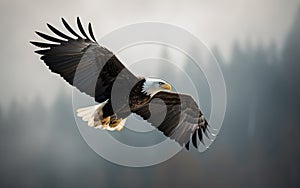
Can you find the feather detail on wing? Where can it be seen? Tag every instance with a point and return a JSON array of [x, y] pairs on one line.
[[81, 61], [177, 116]]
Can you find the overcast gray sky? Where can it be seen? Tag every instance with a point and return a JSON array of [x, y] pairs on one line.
[[24, 77]]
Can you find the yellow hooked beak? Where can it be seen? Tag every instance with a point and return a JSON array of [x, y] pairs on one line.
[[166, 86]]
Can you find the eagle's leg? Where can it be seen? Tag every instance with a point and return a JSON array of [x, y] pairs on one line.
[[115, 123], [105, 122]]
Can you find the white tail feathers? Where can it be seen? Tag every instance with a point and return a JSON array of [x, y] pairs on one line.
[[89, 113], [94, 116]]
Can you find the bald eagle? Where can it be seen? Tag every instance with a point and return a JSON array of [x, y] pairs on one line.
[[97, 71]]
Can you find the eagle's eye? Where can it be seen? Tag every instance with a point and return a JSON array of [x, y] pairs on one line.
[[160, 83]]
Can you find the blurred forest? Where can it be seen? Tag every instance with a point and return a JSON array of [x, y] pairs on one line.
[[258, 145]]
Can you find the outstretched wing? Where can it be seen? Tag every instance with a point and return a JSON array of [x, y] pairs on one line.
[[177, 116], [82, 62]]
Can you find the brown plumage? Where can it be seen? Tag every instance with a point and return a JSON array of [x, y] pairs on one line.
[[96, 71]]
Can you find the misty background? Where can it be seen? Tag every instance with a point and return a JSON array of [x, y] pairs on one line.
[[258, 47]]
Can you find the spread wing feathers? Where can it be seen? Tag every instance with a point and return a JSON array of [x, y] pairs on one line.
[[81, 61], [177, 116]]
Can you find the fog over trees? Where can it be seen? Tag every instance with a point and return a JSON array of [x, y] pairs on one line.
[[258, 145]]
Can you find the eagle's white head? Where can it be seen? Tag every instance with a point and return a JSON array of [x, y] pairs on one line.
[[153, 85]]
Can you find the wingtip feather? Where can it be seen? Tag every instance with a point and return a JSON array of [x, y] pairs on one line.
[[80, 27], [69, 28], [187, 146], [91, 32], [194, 140]]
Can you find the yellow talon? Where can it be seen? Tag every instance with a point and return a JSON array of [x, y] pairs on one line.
[[115, 123], [105, 121]]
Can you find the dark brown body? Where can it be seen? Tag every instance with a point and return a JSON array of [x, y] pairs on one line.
[[122, 104]]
